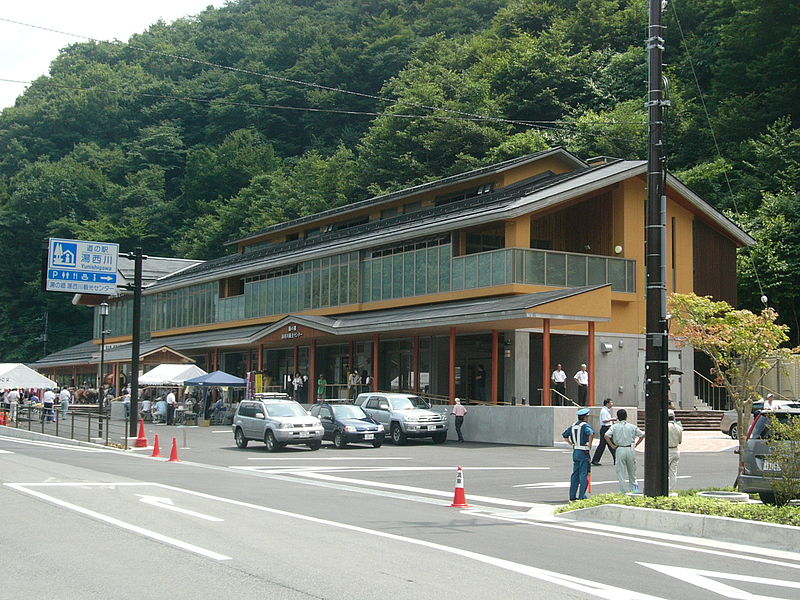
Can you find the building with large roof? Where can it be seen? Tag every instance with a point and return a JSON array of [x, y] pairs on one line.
[[474, 286]]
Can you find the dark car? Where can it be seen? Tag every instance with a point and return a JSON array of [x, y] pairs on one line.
[[758, 471], [348, 424]]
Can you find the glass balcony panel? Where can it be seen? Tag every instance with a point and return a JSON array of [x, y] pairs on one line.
[[616, 274], [408, 274], [397, 276], [596, 270], [630, 281], [431, 269], [470, 272], [533, 267], [576, 270], [555, 269], [445, 260], [420, 274], [484, 269], [501, 267]]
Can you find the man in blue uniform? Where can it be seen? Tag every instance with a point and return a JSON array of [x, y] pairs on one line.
[[580, 436]]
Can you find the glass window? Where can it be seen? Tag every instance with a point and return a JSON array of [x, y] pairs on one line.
[[484, 270], [616, 275], [596, 270], [576, 270], [555, 269]]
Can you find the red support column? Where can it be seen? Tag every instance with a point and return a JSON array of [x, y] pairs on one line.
[[351, 360], [591, 365], [376, 341], [313, 375], [261, 357], [546, 399], [216, 359], [495, 365], [249, 360], [415, 364], [452, 370]]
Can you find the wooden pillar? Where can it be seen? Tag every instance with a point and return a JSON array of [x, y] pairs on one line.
[[351, 360], [591, 364], [495, 365], [249, 360], [376, 342], [546, 399], [415, 364], [313, 375], [261, 357], [452, 369], [216, 359]]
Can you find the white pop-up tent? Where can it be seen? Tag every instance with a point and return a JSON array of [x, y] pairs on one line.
[[170, 374], [17, 375]]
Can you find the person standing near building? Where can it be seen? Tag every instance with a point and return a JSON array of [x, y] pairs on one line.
[[559, 381], [624, 437], [322, 386], [579, 435], [170, 399], [582, 379], [675, 437], [606, 421], [298, 384], [459, 411], [480, 383], [353, 381], [12, 399], [64, 397], [769, 402]]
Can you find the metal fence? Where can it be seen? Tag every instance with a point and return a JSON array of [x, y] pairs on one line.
[[78, 424]]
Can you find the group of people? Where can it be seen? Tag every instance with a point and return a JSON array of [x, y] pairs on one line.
[[558, 379], [622, 438], [13, 398]]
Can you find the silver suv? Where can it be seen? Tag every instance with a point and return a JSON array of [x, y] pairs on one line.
[[405, 416], [757, 470], [277, 421]]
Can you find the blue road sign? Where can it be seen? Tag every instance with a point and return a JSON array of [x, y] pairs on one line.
[[82, 267]]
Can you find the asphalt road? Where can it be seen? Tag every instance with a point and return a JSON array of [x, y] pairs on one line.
[[354, 523]]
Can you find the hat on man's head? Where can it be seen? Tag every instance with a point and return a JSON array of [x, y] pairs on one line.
[[582, 412], [770, 396]]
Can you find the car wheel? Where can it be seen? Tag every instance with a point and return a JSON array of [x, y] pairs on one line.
[[315, 445], [377, 444], [440, 438], [771, 498], [241, 441], [398, 437], [734, 431], [338, 440], [269, 440]]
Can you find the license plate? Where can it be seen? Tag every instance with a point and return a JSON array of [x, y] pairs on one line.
[[431, 427], [770, 465], [369, 436], [304, 434]]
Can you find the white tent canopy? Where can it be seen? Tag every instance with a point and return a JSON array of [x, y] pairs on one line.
[[170, 374], [17, 375]]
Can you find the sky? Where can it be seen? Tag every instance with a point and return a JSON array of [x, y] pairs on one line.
[[26, 53]]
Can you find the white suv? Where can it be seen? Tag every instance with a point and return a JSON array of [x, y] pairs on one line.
[[277, 421], [405, 416]]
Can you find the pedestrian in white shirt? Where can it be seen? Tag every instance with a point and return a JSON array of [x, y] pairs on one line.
[[582, 379], [675, 437], [606, 421], [170, 399], [12, 399], [559, 379], [64, 397], [459, 411]]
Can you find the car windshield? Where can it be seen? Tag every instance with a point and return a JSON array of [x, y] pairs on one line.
[[348, 411], [286, 410], [762, 431], [409, 403]]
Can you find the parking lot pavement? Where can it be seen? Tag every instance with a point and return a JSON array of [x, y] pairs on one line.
[[702, 441]]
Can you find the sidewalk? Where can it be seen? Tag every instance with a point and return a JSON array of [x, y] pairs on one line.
[[702, 441]]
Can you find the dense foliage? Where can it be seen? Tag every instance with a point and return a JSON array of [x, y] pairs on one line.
[[132, 143]]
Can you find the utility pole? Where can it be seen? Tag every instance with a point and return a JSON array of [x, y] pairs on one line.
[[137, 257], [657, 344]]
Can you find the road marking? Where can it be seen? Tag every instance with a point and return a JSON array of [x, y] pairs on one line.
[[170, 505], [706, 581], [566, 484], [121, 524], [332, 458], [56, 445], [580, 584], [228, 431], [6, 452], [343, 469]]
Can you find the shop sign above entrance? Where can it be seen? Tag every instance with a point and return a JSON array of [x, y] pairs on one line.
[[81, 267], [291, 333]]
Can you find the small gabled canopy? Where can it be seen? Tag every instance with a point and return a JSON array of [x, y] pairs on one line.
[[216, 379], [17, 375], [170, 374]]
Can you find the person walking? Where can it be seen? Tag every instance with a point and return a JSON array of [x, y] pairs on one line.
[[298, 384], [624, 437], [48, 406], [64, 397], [675, 437], [12, 399], [579, 435], [459, 411], [582, 379], [322, 385], [170, 399], [606, 421], [559, 381]]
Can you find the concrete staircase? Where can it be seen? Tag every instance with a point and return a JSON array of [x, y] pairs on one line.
[[692, 420]]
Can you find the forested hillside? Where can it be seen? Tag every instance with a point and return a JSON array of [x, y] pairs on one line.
[[192, 133]]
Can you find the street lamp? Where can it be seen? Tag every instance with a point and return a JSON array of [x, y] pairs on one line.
[[100, 399]]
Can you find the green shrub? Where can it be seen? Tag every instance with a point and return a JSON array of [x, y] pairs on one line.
[[691, 503]]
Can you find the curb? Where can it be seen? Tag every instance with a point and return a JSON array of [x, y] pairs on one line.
[[24, 434], [722, 529]]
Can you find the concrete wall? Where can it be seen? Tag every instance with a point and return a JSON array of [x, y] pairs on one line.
[[620, 372], [520, 425]]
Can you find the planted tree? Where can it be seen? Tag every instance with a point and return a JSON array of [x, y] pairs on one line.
[[783, 442], [738, 342]]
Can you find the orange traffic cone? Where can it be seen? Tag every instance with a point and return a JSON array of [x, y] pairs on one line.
[[156, 449], [589, 487], [460, 498], [173, 455], [3, 419], [141, 440]]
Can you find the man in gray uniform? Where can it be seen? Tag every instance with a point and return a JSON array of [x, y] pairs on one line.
[[624, 437], [675, 435]]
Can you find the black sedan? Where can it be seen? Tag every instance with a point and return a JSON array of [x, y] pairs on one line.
[[348, 424]]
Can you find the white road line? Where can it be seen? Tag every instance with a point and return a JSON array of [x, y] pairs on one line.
[[344, 458], [56, 445], [167, 504], [580, 584], [121, 524], [566, 484], [344, 469], [6, 452]]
